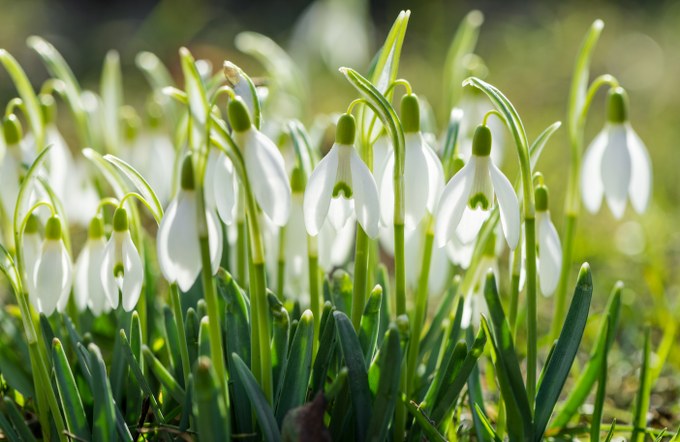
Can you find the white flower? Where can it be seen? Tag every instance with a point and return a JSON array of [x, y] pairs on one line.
[[474, 187], [122, 270], [423, 171], [179, 252], [342, 184], [223, 188], [53, 271], [88, 288], [616, 165], [549, 247], [264, 164], [32, 246]]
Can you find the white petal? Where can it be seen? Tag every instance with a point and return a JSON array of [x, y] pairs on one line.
[[52, 276], [616, 170], [67, 282], [32, 250], [178, 247], [435, 177], [416, 181], [382, 149], [459, 253], [387, 191], [108, 279], [224, 189], [641, 171], [592, 189], [470, 224], [267, 175], [365, 195], [549, 253], [339, 212], [88, 282], [319, 191], [215, 240], [509, 206], [452, 203], [80, 283], [134, 274]]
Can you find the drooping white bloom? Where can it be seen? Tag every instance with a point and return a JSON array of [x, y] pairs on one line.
[[264, 164], [179, 252], [423, 172], [341, 185], [53, 271], [549, 247], [122, 271], [223, 188], [474, 187], [88, 288], [32, 248], [616, 165]]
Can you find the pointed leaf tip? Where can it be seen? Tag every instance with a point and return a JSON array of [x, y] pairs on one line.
[[585, 278]]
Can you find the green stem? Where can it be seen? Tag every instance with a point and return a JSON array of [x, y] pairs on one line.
[[360, 276], [257, 294], [212, 303], [418, 317], [530, 230], [281, 267], [314, 296], [241, 252], [176, 304], [399, 269]]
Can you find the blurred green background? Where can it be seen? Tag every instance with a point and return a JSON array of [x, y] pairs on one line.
[[529, 49]]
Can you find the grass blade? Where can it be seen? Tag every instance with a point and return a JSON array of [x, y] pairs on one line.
[[71, 403], [358, 377], [601, 390], [643, 393], [163, 375], [263, 411], [298, 369], [370, 322], [136, 370], [104, 413], [565, 351], [389, 365]]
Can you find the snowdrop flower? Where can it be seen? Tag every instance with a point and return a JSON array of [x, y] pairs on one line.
[[342, 185], [179, 252], [53, 271], [224, 188], [549, 247], [31, 251], [423, 172], [474, 187], [122, 272], [264, 164], [616, 165], [88, 288]]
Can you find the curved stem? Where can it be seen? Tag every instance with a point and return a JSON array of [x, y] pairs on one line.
[[314, 289], [493, 112]]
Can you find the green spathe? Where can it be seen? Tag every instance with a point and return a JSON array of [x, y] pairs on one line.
[[96, 228], [410, 113], [12, 129], [53, 228], [481, 141], [187, 176], [541, 195], [617, 105], [120, 220], [238, 114], [345, 130]]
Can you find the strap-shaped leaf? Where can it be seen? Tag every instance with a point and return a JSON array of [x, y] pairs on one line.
[[263, 411], [598, 406], [536, 148], [358, 377], [144, 188], [643, 393], [198, 101], [506, 350], [112, 100], [462, 45], [163, 375], [71, 403], [565, 351], [370, 321], [299, 367], [136, 370], [389, 363], [27, 94], [584, 384], [58, 68], [104, 413], [212, 421], [326, 349], [423, 421]]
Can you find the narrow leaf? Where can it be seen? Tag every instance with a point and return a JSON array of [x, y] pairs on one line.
[[151, 200], [104, 413], [163, 375], [209, 412], [643, 393], [71, 403], [389, 363]]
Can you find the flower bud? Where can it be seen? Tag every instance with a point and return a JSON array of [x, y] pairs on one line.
[[410, 113], [345, 130], [481, 142]]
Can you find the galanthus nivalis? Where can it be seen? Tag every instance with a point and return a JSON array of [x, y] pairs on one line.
[[616, 165], [423, 172], [122, 271], [549, 247], [264, 164], [53, 271], [88, 288], [179, 252], [342, 184], [474, 187]]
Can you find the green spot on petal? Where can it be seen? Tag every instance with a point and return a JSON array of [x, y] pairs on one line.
[[342, 188], [118, 270], [479, 200]]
